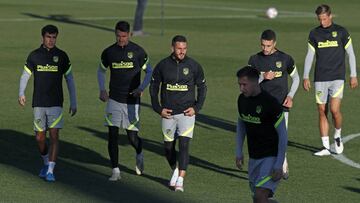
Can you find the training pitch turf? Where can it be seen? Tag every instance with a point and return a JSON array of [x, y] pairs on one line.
[[222, 35]]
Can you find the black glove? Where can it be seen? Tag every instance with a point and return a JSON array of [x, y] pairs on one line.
[[136, 92]]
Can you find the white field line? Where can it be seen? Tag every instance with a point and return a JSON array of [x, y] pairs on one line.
[[257, 13], [31, 19], [204, 7], [341, 157]]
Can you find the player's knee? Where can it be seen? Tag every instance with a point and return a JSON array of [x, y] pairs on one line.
[[184, 143], [335, 112], [54, 134], [322, 113], [169, 147], [322, 109], [113, 135], [133, 137], [261, 194], [40, 136]]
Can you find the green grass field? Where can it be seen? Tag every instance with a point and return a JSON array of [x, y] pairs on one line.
[[222, 35]]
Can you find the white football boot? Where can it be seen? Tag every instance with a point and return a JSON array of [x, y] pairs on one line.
[[339, 146], [323, 152], [174, 178], [115, 176]]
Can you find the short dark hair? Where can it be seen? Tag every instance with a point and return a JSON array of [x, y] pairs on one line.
[[51, 29], [268, 35], [178, 38], [323, 8], [249, 72], [123, 26]]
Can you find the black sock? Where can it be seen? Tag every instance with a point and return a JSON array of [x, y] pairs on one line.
[[184, 143], [113, 146], [170, 153], [135, 140]]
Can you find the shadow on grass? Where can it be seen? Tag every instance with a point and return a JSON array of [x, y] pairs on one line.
[[353, 189], [208, 122], [67, 19], [19, 150], [303, 146], [158, 148]]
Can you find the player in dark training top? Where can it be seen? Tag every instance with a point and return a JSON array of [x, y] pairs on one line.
[[49, 65], [125, 60], [181, 82], [261, 119], [275, 66], [329, 42]]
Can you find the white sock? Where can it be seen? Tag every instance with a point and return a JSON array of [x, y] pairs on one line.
[[51, 167], [180, 179], [116, 170], [45, 159], [337, 133], [326, 142]]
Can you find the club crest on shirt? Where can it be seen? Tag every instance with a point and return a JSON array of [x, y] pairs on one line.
[[278, 64], [186, 71], [258, 109], [55, 59], [334, 33], [130, 55]]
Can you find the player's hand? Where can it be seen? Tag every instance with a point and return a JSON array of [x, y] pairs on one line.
[[288, 102], [22, 100], [306, 84], [137, 92], [103, 96], [72, 111], [189, 111], [166, 113], [269, 75], [239, 161], [353, 82], [276, 174]]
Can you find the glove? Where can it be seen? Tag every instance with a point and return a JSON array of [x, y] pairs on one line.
[[136, 92]]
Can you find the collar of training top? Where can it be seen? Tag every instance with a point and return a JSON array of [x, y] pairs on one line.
[[46, 49], [173, 57]]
